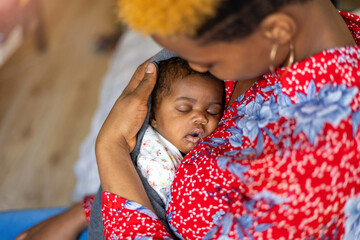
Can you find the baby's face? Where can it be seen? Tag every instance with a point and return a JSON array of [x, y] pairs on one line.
[[190, 112]]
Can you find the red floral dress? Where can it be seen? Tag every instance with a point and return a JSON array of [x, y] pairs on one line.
[[284, 162]]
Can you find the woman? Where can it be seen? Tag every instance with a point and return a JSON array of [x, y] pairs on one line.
[[284, 160]]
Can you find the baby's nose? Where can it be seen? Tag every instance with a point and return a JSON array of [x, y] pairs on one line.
[[200, 118]]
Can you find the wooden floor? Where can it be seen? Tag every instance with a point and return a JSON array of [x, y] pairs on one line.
[[47, 101]]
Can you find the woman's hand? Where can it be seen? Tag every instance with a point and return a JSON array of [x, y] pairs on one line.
[[129, 112], [66, 225], [117, 138]]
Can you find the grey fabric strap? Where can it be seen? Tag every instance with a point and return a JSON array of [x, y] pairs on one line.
[[96, 228], [162, 55]]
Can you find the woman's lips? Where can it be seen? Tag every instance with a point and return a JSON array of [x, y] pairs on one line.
[[195, 135]]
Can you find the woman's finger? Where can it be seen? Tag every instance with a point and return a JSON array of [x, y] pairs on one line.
[[21, 236], [147, 84], [136, 78]]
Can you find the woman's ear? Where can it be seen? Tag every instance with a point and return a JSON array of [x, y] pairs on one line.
[[279, 28]]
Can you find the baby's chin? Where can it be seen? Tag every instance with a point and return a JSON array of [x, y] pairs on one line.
[[187, 149]]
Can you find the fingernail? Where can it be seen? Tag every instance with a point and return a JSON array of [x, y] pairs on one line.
[[150, 68]]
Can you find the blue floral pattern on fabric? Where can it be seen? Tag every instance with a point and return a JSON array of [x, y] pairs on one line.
[[215, 142], [150, 238], [229, 162], [225, 223], [169, 218], [331, 104], [236, 138], [173, 228], [350, 59], [352, 224], [329, 229], [226, 196], [269, 197], [217, 216], [238, 170], [258, 114], [245, 225], [276, 89], [138, 207], [355, 122]]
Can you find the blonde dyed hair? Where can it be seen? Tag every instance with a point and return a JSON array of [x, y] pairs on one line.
[[166, 17]]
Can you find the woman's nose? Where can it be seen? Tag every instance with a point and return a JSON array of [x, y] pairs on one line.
[[200, 118], [198, 68]]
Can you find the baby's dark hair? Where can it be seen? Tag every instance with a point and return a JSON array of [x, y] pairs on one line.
[[171, 70], [236, 19]]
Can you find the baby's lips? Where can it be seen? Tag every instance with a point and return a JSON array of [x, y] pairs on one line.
[[195, 135], [192, 139]]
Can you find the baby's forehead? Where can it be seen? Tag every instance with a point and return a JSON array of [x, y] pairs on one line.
[[195, 79], [197, 86]]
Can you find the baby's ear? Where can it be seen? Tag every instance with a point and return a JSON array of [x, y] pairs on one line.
[[153, 122]]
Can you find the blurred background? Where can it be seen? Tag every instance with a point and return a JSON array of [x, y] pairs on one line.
[[53, 57]]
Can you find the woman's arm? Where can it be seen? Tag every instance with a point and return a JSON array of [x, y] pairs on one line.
[[126, 209], [66, 225], [117, 138]]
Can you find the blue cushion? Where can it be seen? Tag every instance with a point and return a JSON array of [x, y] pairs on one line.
[[12, 223]]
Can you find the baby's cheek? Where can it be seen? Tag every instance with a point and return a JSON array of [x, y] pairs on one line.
[[214, 125]]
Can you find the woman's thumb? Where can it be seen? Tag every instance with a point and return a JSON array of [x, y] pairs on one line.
[[148, 82]]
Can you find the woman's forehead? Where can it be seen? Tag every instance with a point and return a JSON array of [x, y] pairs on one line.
[[184, 46]]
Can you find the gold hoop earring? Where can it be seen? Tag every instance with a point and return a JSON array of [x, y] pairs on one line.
[[290, 58], [273, 53], [291, 54]]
